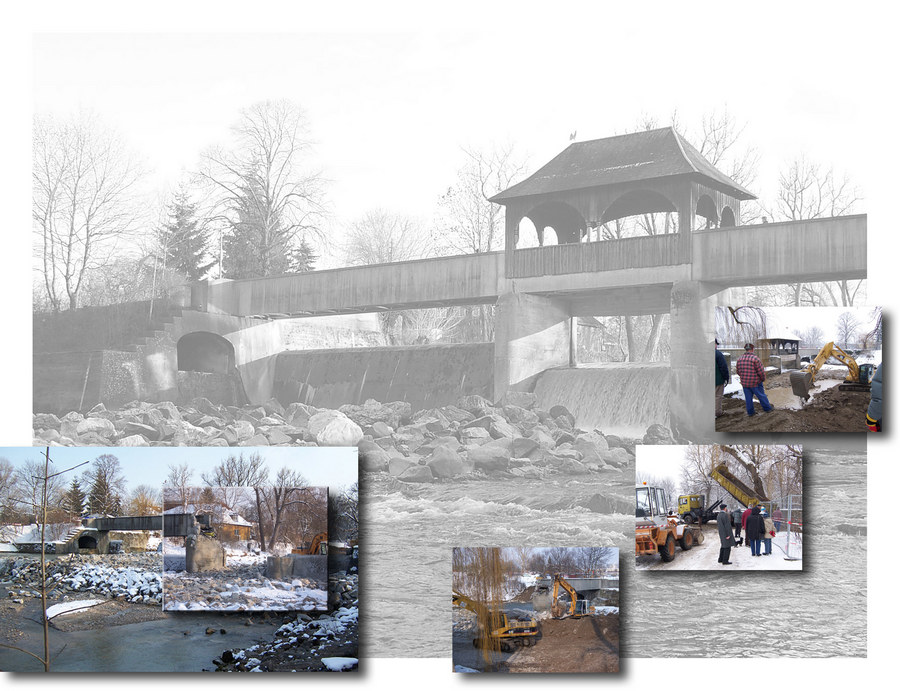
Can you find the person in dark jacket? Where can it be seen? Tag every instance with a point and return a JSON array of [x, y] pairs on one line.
[[755, 527], [738, 523], [726, 536], [722, 378], [873, 415]]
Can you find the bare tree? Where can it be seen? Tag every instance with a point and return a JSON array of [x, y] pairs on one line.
[[344, 509], [145, 500], [83, 205], [813, 337], [472, 224], [380, 236], [266, 194], [847, 326], [289, 488], [808, 190], [179, 481]]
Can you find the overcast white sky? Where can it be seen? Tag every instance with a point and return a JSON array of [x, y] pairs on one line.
[[391, 108], [796, 320]]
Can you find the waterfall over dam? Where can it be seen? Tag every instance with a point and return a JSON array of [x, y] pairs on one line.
[[622, 398]]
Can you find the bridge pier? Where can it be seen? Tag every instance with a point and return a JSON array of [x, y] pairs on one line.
[[692, 329], [532, 333]]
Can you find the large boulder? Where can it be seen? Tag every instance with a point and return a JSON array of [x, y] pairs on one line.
[[658, 434], [133, 440], [445, 462], [489, 457], [370, 412], [45, 421], [97, 425], [398, 464], [341, 431], [474, 404], [322, 419], [372, 458], [417, 473]]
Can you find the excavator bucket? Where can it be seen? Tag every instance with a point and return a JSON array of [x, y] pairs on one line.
[[800, 383]]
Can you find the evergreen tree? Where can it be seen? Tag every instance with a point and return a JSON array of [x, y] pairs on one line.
[[100, 498], [73, 499], [302, 258], [184, 242], [256, 244]]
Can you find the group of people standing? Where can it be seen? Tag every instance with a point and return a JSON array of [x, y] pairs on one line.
[[758, 528]]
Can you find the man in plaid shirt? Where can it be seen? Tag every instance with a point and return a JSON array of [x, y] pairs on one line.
[[752, 374]]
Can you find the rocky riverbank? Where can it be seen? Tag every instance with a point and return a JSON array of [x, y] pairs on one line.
[[304, 643], [129, 577], [474, 438]]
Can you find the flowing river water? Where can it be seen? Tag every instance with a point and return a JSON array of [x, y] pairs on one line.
[[408, 533]]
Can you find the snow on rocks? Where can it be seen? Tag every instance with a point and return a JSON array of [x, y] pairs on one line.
[[327, 642], [130, 577]]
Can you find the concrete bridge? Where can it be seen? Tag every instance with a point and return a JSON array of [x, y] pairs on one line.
[[229, 331], [540, 292], [594, 276]]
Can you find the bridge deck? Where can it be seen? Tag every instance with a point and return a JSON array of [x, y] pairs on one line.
[[790, 252]]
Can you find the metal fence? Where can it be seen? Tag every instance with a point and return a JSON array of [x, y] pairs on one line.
[[792, 525]]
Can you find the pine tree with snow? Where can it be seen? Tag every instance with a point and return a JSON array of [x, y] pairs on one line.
[[184, 242]]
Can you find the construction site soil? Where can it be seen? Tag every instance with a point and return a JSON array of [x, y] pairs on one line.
[[829, 410], [588, 645]]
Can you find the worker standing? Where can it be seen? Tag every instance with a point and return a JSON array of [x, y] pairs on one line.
[[722, 377], [726, 536], [873, 415], [752, 373]]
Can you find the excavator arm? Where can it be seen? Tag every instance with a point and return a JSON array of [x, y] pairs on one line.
[[802, 381]]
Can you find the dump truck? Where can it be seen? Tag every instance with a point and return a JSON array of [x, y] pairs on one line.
[[737, 489], [859, 377], [691, 509], [506, 632], [658, 528]]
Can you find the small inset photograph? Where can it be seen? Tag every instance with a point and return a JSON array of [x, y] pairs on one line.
[[719, 507], [536, 609], [798, 369], [246, 548]]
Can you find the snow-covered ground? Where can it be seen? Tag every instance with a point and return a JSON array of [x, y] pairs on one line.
[[705, 557], [131, 584], [68, 607]]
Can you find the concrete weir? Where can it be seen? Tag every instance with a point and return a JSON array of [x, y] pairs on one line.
[[616, 398]]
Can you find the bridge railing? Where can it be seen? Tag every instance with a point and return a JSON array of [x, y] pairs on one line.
[[463, 278], [602, 255], [785, 252]]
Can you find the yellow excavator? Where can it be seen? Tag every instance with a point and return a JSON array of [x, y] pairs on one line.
[[508, 633], [859, 377], [576, 608], [319, 545]]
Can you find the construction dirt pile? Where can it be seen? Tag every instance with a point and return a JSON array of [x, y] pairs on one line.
[[830, 410], [588, 644], [305, 643], [473, 438]]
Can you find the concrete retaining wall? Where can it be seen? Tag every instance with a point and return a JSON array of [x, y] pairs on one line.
[[424, 376]]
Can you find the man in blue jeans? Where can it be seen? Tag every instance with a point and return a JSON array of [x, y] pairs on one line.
[[752, 374]]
